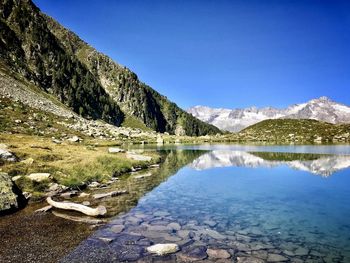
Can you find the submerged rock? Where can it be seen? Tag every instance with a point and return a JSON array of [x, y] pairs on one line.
[[174, 226], [249, 260], [218, 253], [210, 223], [117, 228], [191, 254], [163, 249], [276, 258]]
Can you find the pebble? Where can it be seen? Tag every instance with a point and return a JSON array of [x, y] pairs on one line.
[[94, 184], [183, 233], [301, 251], [218, 253], [117, 228], [157, 228], [82, 195], [174, 226], [276, 258], [212, 233], [249, 260], [161, 213], [191, 254], [210, 223]]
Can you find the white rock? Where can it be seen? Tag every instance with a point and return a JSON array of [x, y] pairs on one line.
[[94, 184], [28, 161], [82, 195], [8, 156], [141, 176], [38, 177], [160, 140], [15, 178], [163, 249], [115, 150], [138, 157], [74, 139], [3, 146]]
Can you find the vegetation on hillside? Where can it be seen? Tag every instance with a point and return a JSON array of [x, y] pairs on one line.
[[70, 164], [29, 48], [293, 130], [90, 83], [133, 96]]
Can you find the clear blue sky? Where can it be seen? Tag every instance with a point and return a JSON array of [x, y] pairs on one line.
[[221, 53]]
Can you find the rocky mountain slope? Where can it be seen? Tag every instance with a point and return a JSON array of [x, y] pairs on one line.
[[88, 82], [321, 109]]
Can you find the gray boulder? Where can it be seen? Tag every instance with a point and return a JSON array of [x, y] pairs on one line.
[[6, 155], [9, 194]]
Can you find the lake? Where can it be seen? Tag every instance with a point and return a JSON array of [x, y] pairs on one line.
[[234, 203]]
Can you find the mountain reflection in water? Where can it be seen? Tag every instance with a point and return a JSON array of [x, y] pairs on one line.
[[319, 164]]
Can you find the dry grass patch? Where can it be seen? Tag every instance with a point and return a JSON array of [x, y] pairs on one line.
[[70, 164]]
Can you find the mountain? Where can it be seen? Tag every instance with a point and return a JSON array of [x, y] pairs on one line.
[[321, 109], [91, 84], [323, 165]]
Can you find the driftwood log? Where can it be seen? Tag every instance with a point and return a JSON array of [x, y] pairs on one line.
[[98, 211], [82, 219], [110, 194]]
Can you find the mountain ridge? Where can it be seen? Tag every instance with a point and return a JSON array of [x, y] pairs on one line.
[[321, 109], [90, 83]]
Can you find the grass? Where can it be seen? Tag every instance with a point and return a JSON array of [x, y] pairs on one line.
[[134, 123], [20, 119], [70, 164]]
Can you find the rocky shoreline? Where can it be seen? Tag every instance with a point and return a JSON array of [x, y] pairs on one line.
[[156, 236]]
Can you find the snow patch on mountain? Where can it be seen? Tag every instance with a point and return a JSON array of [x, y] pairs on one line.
[[321, 109]]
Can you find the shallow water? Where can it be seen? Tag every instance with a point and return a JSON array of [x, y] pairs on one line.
[[285, 205]]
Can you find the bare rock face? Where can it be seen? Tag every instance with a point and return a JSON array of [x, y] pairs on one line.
[[8, 199]]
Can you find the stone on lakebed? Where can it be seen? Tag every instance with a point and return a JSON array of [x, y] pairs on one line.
[[218, 253], [163, 249]]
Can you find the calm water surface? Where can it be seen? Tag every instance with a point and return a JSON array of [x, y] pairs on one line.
[[259, 204]]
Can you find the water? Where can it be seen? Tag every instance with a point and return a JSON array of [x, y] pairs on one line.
[[287, 205]]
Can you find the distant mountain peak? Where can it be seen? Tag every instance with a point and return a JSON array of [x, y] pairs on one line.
[[321, 99], [321, 109]]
